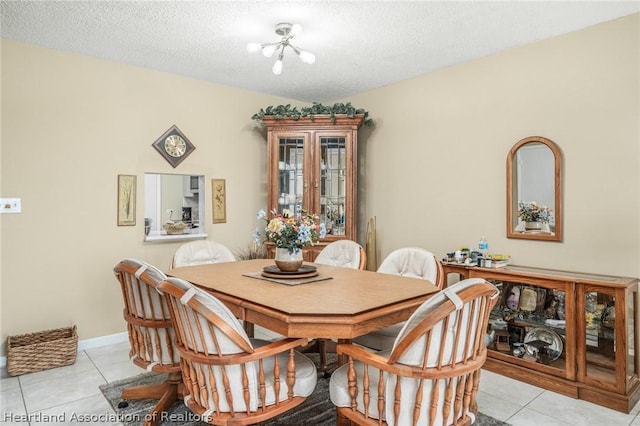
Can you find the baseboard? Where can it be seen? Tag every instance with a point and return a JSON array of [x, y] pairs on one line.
[[90, 343]]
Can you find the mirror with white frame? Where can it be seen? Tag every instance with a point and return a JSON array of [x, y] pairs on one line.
[[534, 190], [173, 207]]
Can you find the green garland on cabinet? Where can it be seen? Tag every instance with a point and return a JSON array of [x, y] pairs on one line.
[[281, 112]]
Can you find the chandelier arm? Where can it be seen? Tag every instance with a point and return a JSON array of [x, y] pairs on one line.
[[277, 66], [306, 57], [287, 32], [295, 49]]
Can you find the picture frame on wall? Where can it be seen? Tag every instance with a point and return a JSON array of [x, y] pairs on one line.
[[219, 199], [126, 200]]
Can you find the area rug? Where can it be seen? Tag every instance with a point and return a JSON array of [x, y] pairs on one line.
[[317, 410]]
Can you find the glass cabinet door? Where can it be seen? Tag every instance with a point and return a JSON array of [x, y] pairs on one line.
[[332, 183], [291, 179], [529, 322], [631, 335], [312, 166], [610, 337], [600, 336]]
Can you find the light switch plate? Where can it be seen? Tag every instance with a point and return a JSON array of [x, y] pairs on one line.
[[10, 205]]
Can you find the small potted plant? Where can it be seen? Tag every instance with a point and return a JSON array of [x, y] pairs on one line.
[[290, 233], [535, 217]]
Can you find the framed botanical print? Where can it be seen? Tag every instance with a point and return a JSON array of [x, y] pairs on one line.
[[219, 197], [126, 200]]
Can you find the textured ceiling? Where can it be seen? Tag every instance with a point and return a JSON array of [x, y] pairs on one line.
[[359, 45]]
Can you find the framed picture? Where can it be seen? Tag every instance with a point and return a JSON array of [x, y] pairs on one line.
[[528, 299], [511, 296], [219, 197], [126, 200]]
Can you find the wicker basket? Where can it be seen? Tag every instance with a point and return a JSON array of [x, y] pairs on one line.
[[28, 353], [175, 228]]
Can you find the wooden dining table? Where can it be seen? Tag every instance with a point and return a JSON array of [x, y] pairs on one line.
[[341, 303], [345, 303]]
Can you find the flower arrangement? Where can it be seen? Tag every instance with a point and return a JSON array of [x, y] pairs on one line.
[[532, 212], [293, 232]]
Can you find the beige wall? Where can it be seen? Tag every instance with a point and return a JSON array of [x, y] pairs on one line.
[[433, 168], [70, 125], [435, 162]]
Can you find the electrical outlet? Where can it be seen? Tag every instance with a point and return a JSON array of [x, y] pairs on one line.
[[10, 205]]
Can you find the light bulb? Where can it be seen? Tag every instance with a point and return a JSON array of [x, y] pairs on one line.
[[307, 57], [277, 67], [296, 29], [253, 47], [268, 50]]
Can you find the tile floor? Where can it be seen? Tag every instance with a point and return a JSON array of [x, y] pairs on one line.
[[64, 394]]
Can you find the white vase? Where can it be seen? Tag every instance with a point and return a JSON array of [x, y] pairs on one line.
[[533, 226], [288, 262]]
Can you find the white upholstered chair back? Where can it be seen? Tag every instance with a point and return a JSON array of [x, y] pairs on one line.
[[413, 262], [201, 252], [431, 375], [343, 253], [222, 367]]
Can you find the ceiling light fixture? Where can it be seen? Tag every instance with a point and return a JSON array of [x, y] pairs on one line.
[[287, 31]]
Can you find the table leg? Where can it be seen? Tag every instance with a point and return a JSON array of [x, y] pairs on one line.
[[249, 328], [342, 359]]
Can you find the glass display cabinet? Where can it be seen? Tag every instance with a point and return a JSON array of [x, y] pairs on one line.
[[312, 166], [569, 332]]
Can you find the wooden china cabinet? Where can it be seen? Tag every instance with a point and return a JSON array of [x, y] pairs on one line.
[[312, 165], [586, 323]]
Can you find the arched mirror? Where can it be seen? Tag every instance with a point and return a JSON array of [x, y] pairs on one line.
[[534, 190]]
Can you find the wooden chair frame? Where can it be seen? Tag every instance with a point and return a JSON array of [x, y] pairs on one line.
[[461, 398], [143, 331], [363, 259], [442, 277], [193, 376]]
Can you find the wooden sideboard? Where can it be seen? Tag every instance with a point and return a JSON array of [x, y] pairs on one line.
[[587, 325]]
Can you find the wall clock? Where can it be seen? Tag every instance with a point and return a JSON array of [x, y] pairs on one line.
[[174, 146]]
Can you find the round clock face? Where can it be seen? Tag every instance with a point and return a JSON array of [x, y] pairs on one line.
[[175, 146]]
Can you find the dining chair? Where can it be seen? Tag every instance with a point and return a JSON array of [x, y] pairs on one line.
[[151, 335], [201, 252], [414, 262], [231, 378], [345, 254], [431, 375]]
